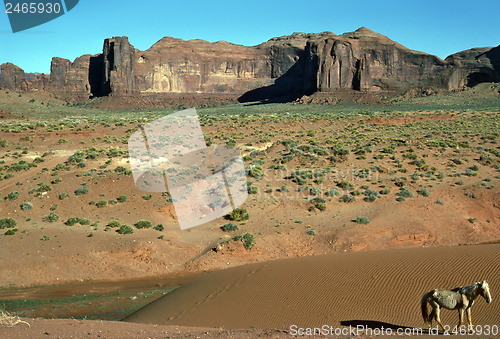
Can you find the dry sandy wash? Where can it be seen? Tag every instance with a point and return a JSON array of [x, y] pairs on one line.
[[377, 288], [337, 289]]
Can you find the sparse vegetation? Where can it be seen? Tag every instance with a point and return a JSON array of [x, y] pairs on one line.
[[51, 217], [143, 224], [239, 214], [362, 220], [229, 227], [125, 229]]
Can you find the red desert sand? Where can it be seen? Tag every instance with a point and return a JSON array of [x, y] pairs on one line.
[[377, 288]]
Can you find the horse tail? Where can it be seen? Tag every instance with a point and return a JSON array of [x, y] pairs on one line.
[[423, 306]]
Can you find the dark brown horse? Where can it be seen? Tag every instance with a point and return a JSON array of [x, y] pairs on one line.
[[460, 298]]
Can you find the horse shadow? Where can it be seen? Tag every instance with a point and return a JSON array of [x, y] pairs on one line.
[[373, 324]]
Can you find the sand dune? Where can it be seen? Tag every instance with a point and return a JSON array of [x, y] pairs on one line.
[[372, 288]]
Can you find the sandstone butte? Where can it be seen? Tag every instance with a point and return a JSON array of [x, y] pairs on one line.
[[281, 69]]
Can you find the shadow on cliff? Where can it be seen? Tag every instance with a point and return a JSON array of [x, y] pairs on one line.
[[494, 56], [295, 83]]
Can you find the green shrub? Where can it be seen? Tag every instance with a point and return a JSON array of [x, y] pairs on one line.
[[252, 189], [52, 217], [63, 195], [229, 227], [85, 221], [460, 182], [143, 224], [122, 198], [311, 232], [7, 223], [159, 227], [3, 143], [147, 196], [115, 223], [11, 231], [405, 193], [423, 192], [347, 198], [102, 203], [125, 229], [56, 180], [26, 206], [370, 198], [12, 196], [362, 220], [248, 241], [239, 214], [72, 221], [385, 191], [81, 190], [332, 193]]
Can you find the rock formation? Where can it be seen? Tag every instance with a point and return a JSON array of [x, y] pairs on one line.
[[280, 69], [12, 77], [70, 78]]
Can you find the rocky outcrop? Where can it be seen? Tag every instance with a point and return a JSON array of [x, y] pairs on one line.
[[281, 69], [118, 67], [70, 78], [12, 77], [474, 66], [368, 61]]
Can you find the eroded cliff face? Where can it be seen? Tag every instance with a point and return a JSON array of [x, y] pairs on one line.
[[368, 61], [118, 67], [474, 66], [286, 67], [70, 78], [197, 66], [12, 77]]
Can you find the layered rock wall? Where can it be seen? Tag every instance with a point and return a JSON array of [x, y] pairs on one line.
[[285, 67]]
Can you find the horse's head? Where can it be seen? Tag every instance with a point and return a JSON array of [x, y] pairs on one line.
[[484, 290]]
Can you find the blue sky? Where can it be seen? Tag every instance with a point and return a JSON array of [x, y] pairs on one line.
[[439, 27]]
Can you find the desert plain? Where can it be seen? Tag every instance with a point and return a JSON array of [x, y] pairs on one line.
[[354, 211]]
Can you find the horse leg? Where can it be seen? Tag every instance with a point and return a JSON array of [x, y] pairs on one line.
[[438, 318], [469, 319], [460, 317]]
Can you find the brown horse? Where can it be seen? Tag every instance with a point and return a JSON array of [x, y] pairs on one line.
[[460, 298]]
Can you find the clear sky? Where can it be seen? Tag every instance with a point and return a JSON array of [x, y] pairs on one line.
[[439, 27]]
